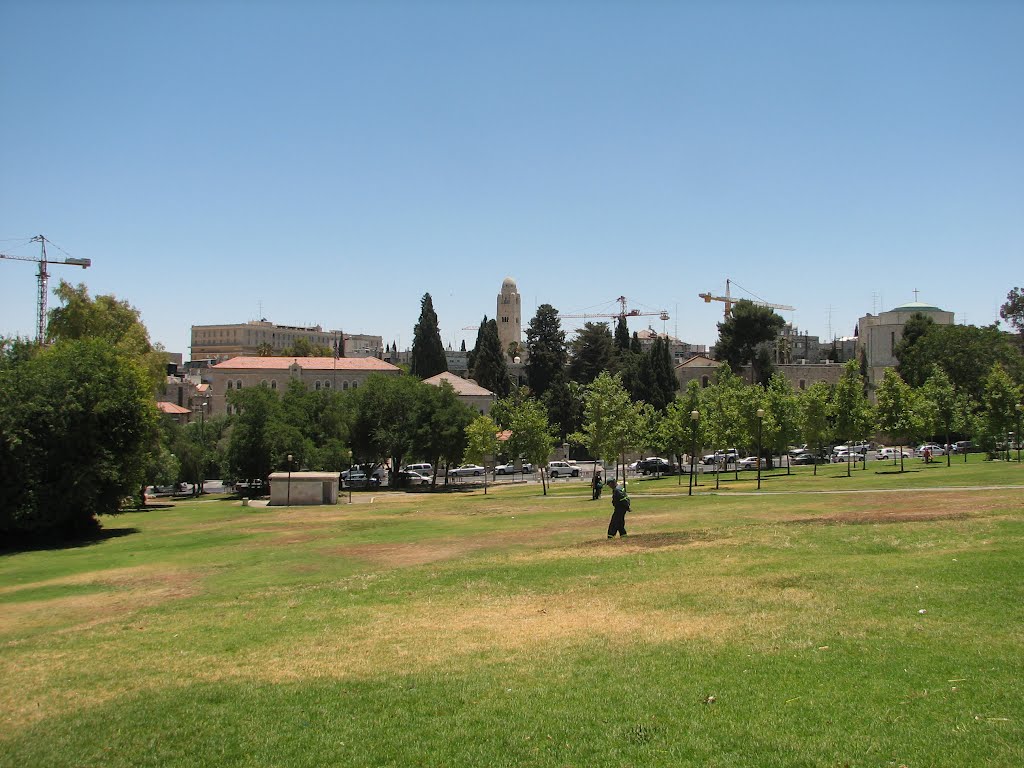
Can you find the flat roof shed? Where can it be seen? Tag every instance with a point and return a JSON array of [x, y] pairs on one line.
[[303, 488]]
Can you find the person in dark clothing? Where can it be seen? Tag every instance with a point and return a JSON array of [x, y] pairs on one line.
[[620, 506], [597, 486]]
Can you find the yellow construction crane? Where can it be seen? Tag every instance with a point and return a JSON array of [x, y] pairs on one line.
[[729, 300], [43, 277]]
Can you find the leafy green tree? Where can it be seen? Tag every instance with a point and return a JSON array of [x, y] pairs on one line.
[[918, 326], [675, 431], [899, 410], [251, 453], [105, 317], [999, 404], [489, 368], [77, 421], [545, 342], [384, 427], [783, 411], [593, 353], [724, 414], [938, 390], [747, 327], [815, 424], [965, 352], [481, 442], [1012, 311], [441, 422], [612, 422], [531, 436], [428, 358], [851, 413]]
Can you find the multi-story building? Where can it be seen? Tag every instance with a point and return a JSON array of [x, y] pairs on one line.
[[222, 342], [317, 373], [680, 351]]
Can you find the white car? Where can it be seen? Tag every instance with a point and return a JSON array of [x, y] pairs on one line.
[[510, 468], [937, 450], [893, 453], [842, 457], [750, 462], [562, 469], [467, 470]]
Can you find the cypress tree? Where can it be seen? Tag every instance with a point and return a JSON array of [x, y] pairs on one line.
[[428, 358], [489, 369]]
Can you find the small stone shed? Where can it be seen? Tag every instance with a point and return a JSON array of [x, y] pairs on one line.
[[303, 488]]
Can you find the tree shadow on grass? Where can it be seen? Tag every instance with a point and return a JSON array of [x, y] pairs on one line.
[[39, 543]]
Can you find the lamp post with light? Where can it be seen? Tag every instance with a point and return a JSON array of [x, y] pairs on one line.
[[760, 421], [288, 503], [694, 418], [1018, 408]]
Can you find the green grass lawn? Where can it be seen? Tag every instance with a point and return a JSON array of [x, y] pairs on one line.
[[875, 620]]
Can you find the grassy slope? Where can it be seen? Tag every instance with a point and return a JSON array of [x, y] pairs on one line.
[[728, 630]]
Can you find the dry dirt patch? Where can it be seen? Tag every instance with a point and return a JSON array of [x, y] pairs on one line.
[[119, 592], [904, 508]]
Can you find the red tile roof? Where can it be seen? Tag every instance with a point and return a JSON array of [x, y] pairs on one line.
[[371, 364], [171, 408], [465, 387]]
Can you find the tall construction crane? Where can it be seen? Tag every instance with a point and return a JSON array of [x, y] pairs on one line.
[[662, 314], [730, 300], [43, 277]]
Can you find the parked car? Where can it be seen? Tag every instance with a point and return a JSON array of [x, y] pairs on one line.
[[728, 456], [655, 465], [751, 462], [807, 457], [962, 446], [842, 457], [356, 477], [937, 450], [893, 453], [423, 469], [562, 469], [467, 470], [510, 468], [408, 478], [798, 449]]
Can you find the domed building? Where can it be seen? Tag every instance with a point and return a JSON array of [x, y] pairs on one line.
[[879, 334]]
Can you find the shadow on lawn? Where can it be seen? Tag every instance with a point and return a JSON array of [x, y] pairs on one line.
[[87, 539]]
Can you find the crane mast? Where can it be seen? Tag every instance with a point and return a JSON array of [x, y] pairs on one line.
[[43, 278]]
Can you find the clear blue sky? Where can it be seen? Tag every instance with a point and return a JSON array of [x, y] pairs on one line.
[[329, 162]]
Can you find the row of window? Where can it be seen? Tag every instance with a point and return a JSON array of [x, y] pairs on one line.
[[317, 384]]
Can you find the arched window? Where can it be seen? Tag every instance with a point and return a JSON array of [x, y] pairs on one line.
[[264, 383], [238, 384], [803, 384], [316, 385], [355, 385], [273, 384], [344, 385], [230, 385], [704, 381], [327, 385]]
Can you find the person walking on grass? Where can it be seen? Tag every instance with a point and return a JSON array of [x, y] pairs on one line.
[[620, 506], [597, 485]]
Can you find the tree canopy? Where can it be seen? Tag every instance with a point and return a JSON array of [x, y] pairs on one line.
[[545, 342], [739, 336]]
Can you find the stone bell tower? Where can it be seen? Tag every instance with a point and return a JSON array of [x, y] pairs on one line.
[[509, 314]]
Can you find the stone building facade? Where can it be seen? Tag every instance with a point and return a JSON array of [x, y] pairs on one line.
[[222, 342], [468, 391], [879, 334], [316, 373], [801, 375]]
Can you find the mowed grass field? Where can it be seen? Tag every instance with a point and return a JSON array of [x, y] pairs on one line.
[[876, 620]]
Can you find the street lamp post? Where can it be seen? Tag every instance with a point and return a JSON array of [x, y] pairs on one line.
[[760, 420], [288, 503], [694, 418], [1019, 408]]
